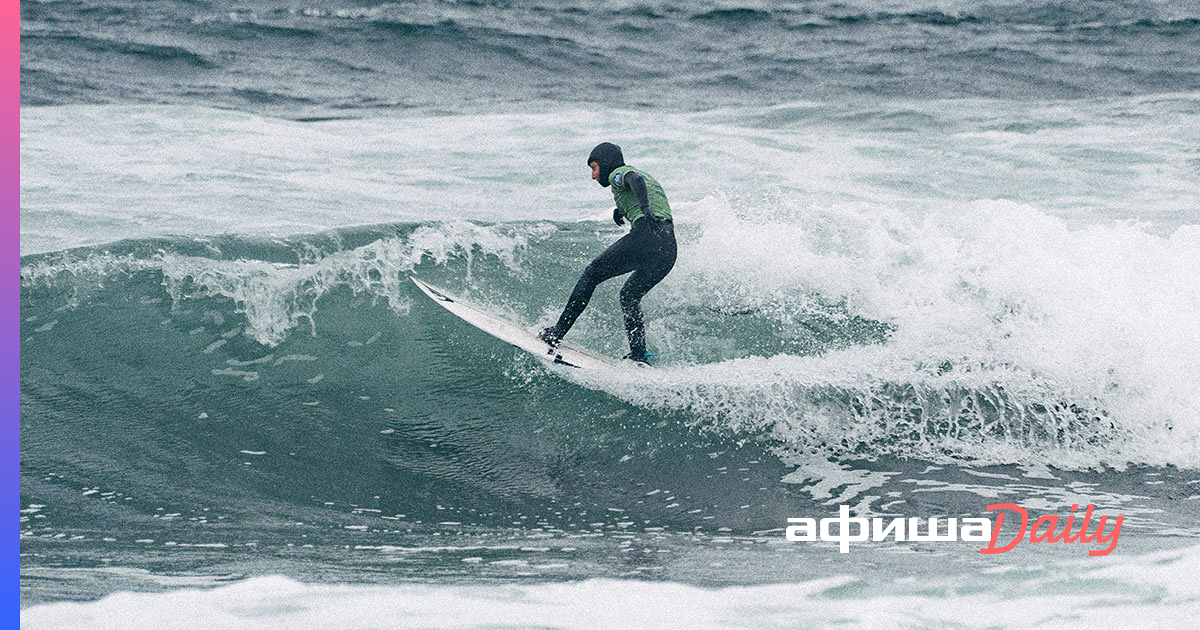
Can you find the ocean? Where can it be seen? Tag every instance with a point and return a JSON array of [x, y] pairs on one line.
[[933, 256]]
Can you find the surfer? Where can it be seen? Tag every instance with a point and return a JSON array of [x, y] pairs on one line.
[[648, 250]]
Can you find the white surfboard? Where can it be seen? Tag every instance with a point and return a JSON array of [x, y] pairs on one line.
[[504, 330]]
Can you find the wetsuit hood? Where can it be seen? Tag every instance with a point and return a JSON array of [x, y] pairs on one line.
[[608, 156]]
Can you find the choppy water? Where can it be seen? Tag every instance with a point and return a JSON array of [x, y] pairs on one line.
[[931, 258], [317, 59]]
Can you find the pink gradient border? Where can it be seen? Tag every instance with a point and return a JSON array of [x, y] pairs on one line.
[[10, 347]]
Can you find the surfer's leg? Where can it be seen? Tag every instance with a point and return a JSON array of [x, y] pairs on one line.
[[655, 268], [614, 261], [632, 292]]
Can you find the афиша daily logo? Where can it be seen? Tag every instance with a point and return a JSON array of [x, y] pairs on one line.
[[1044, 530]]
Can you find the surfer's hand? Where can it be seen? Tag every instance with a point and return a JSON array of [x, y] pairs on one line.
[[617, 218]]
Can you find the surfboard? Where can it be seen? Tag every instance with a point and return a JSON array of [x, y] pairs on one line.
[[563, 354]]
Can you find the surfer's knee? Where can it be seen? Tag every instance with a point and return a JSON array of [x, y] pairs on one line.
[[637, 286]]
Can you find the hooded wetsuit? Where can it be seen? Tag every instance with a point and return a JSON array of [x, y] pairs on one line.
[[648, 250]]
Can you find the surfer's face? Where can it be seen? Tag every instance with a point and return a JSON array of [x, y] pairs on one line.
[[596, 172]]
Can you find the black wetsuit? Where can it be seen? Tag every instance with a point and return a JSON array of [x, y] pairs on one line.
[[648, 250]]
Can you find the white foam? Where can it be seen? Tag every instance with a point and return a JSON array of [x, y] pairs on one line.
[[1154, 590], [1015, 337], [276, 299], [97, 173]]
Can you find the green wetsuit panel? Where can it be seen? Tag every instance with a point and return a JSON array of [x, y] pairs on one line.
[[627, 202]]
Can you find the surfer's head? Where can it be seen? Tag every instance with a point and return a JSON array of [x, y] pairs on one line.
[[603, 159]]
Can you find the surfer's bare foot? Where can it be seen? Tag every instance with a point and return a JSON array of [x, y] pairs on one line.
[[550, 335]]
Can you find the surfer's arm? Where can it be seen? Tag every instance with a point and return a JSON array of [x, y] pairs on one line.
[[637, 184], [618, 218]]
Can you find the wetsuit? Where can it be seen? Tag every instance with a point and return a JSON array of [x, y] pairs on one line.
[[648, 251]]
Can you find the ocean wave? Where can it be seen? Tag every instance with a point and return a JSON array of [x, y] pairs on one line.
[[171, 55], [276, 296], [736, 15], [936, 18], [578, 54], [1009, 338]]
